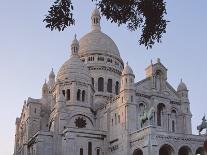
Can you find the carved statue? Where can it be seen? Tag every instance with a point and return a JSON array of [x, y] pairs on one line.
[[203, 125], [147, 116]]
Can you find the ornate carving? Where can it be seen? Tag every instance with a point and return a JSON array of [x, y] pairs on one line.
[[80, 122]]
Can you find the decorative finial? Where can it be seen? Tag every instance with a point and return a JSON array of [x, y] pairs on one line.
[[127, 63], [151, 62], [158, 60], [181, 80]]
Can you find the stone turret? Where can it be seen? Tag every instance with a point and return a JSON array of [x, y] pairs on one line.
[[127, 78], [45, 90], [182, 91]]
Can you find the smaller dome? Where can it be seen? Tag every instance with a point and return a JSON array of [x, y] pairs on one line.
[[182, 86], [127, 70], [52, 74], [74, 70]]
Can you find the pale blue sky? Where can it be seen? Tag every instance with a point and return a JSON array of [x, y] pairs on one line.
[[28, 51]]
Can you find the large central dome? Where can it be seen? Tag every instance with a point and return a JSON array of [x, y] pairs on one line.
[[97, 41]]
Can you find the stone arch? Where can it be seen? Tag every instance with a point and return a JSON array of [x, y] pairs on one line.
[[138, 152], [166, 149], [185, 150], [200, 151]]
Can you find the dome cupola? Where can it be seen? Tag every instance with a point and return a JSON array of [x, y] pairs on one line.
[[182, 90], [95, 19], [127, 70], [182, 86], [127, 78], [75, 46]]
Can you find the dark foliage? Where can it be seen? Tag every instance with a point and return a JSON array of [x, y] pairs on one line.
[[145, 14], [60, 15]]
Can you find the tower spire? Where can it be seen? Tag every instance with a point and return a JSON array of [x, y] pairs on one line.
[[96, 19]]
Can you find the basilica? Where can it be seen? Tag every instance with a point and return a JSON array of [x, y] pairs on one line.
[[93, 106]]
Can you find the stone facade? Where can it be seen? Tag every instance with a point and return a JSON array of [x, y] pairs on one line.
[[94, 107]]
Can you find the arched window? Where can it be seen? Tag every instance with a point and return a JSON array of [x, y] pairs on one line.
[[68, 94], [117, 88], [81, 151], [109, 86], [92, 79], [159, 79], [83, 95], [89, 148], [101, 84], [78, 94], [160, 108], [173, 126], [98, 152]]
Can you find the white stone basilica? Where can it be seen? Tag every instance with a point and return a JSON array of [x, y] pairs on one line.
[[94, 107]]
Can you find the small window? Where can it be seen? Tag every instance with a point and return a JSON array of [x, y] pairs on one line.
[[81, 151], [78, 94], [35, 110], [132, 100], [83, 95], [89, 148], [109, 60], [98, 152], [68, 94], [100, 58], [117, 88], [92, 79], [109, 86], [63, 91], [112, 122], [122, 99], [101, 84], [173, 126]]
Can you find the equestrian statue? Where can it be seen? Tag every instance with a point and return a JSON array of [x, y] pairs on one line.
[[203, 125]]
